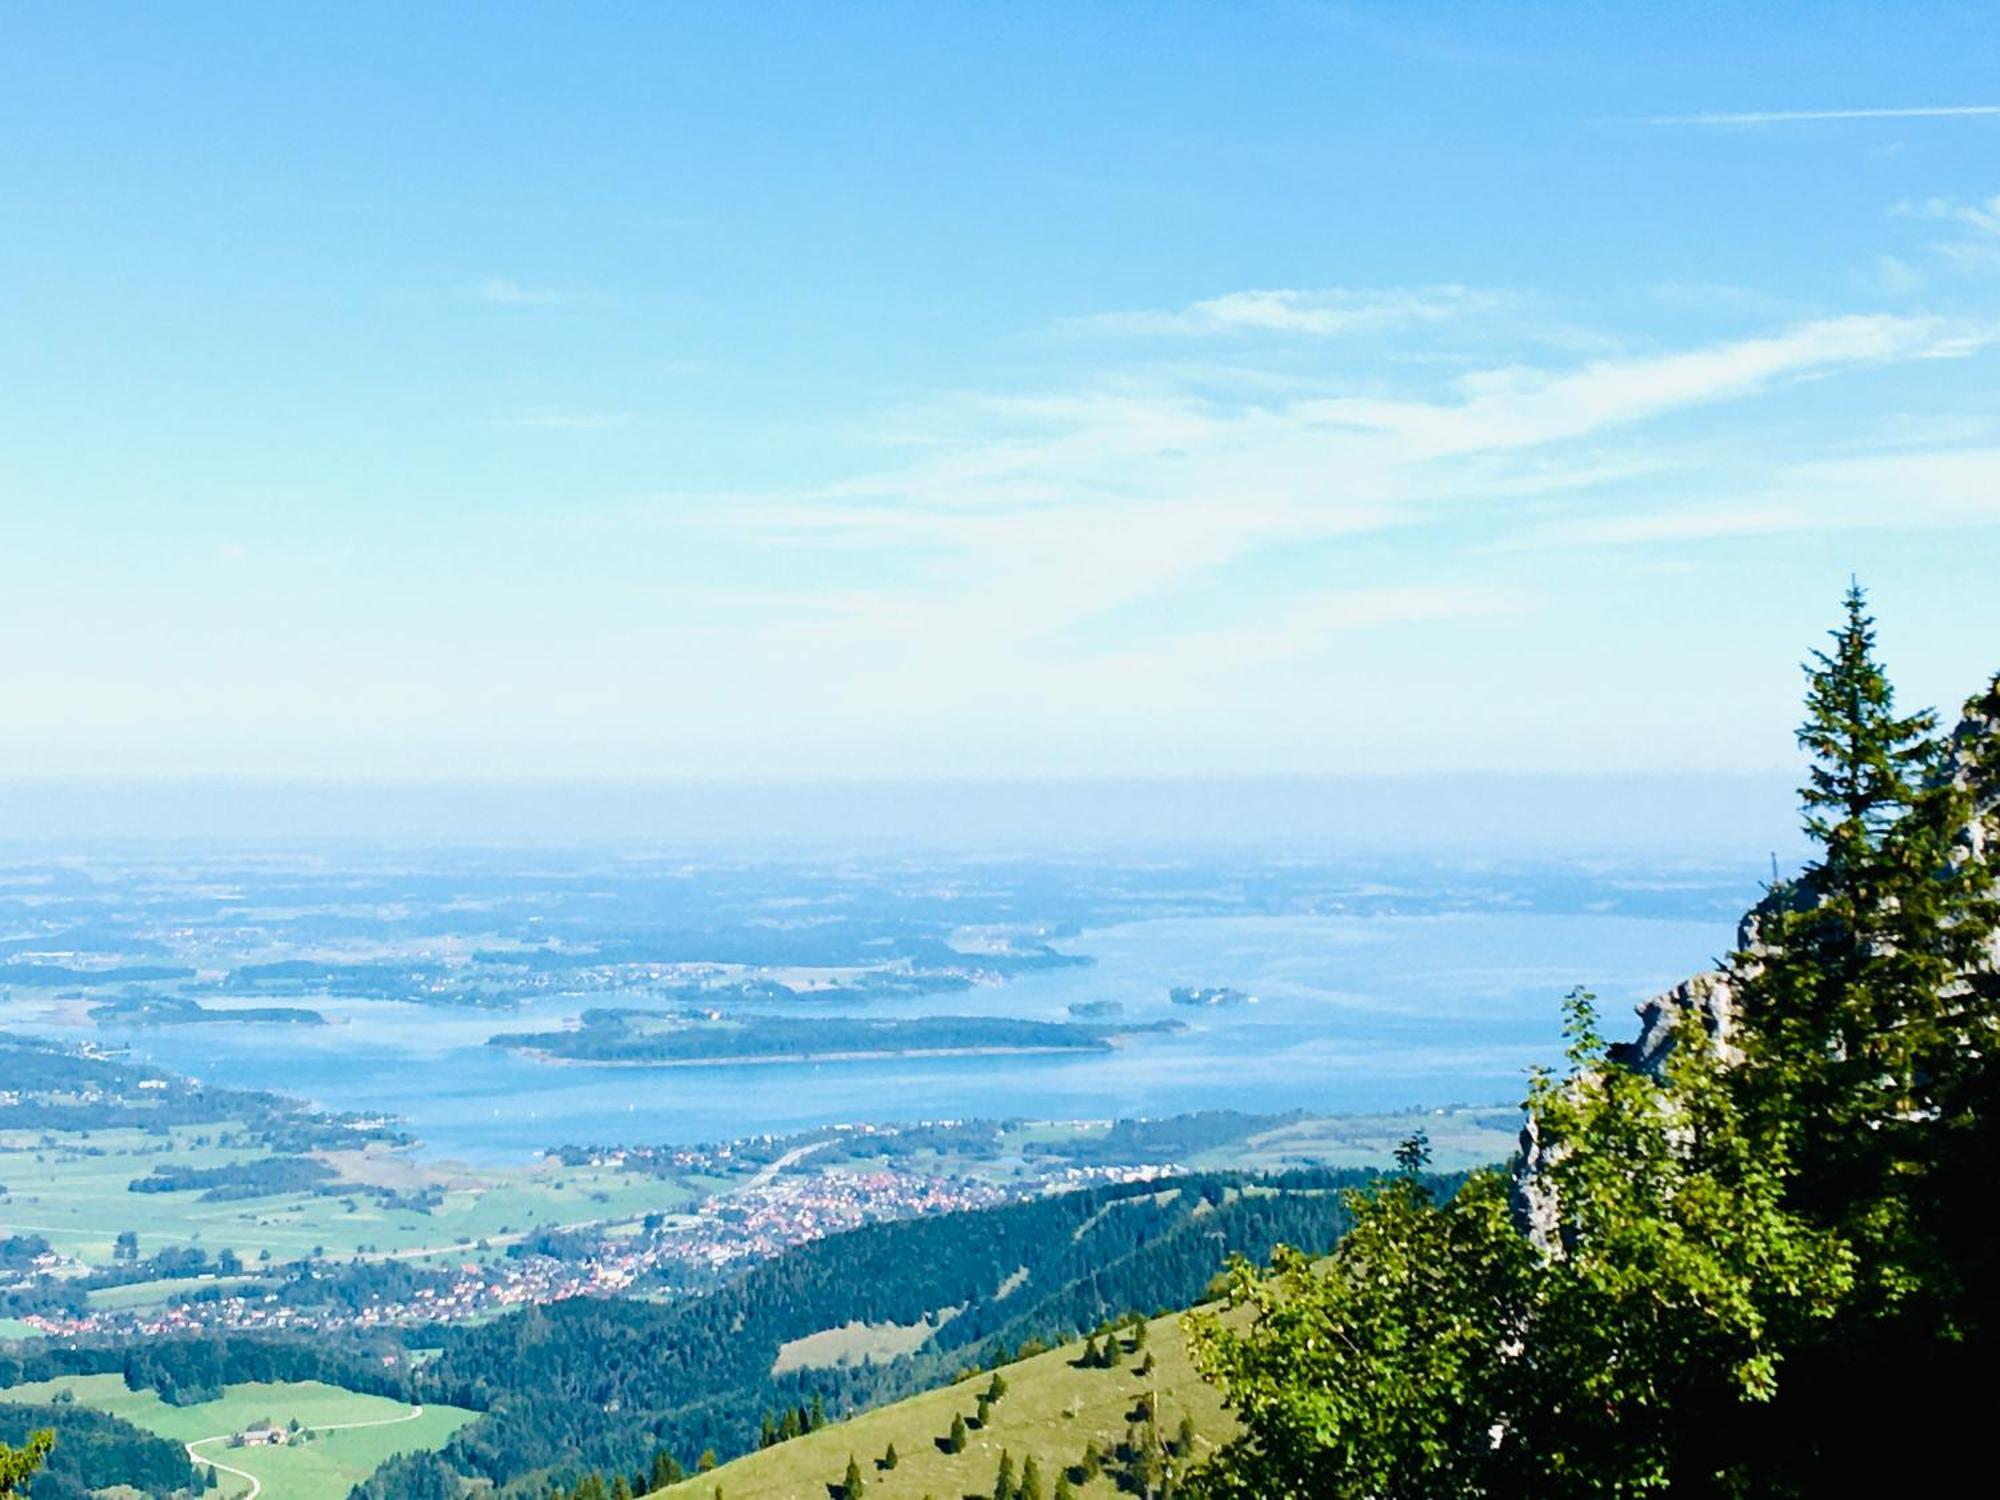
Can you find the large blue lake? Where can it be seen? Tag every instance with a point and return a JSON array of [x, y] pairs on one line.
[[1353, 1013]]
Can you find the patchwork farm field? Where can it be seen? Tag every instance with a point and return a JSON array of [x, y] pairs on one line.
[[73, 1188], [344, 1435]]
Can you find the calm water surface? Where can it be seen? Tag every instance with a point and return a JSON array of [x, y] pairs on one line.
[[1353, 1013]]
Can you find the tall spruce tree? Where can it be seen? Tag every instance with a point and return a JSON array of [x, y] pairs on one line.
[[1852, 989], [1870, 1010]]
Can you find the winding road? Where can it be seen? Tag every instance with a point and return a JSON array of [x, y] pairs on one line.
[[256, 1484]]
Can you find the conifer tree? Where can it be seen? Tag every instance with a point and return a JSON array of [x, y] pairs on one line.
[[1003, 1481], [818, 1417], [1853, 993], [621, 1488], [956, 1442], [851, 1487], [665, 1470], [889, 1459], [1064, 1489], [1871, 1010], [1031, 1480]]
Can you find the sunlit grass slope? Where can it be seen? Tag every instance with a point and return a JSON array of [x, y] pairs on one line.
[[1052, 1409]]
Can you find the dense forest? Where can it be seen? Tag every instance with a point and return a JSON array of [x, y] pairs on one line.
[[193, 1369], [94, 1451]]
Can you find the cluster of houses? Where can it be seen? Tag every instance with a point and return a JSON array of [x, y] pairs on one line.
[[776, 1212]]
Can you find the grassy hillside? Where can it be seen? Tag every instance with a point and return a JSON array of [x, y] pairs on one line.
[[351, 1433], [1053, 1408], [593, 1383]]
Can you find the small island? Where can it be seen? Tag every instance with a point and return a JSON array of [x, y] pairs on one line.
[[1096, 1010], [1214, 995]]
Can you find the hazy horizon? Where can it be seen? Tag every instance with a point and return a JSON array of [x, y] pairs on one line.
[[1728, 818]]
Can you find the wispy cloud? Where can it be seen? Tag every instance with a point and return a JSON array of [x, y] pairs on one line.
[[1982, 216], [1807, 116], [1697, 525], [504, 291], [1940, 487], [1977, 248], [1025, 516], [1311, 625], [1321, 313], [1143, 539]]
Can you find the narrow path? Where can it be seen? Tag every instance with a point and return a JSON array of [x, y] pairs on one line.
[[409, 1416], [256, 1484]]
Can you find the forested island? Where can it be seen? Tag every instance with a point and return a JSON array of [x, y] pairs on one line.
[[650, 1039], [178, 1010]]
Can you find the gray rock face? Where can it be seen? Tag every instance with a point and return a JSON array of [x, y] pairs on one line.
[[1531, 1197], [1711, 998]]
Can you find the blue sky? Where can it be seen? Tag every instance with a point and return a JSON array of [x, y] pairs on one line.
[[500, 392]]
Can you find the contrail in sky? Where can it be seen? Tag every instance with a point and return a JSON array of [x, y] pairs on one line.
[[1789, 116]]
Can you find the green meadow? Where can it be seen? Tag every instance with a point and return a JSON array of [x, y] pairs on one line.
[[325, 1465]]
